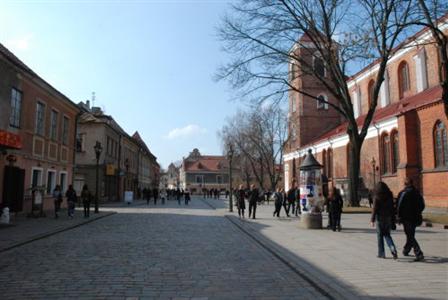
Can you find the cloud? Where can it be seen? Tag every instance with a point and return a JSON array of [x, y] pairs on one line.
[[22, 43], [188, 131]]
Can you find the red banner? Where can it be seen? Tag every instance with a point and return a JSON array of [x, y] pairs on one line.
[[10, 140]]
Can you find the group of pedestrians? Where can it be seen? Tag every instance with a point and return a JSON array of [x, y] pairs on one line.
[[252, 196], [407, 210], [164, 194], [211, 193], [72, 199]]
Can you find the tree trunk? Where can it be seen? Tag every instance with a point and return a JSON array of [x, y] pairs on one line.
[[353, 170]]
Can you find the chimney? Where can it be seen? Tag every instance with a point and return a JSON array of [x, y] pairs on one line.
[[88, 104]]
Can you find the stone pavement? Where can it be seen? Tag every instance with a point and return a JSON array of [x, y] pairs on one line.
[[24, 230], [345, 264], [147, 252]]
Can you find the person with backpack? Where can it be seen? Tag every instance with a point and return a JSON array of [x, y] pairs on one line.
[[383, 214], [410, 207], [86, 197], [71, 201], [57, 198]]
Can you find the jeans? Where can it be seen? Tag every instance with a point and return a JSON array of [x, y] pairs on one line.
[[293, 205], [411, 242], [383, 233]]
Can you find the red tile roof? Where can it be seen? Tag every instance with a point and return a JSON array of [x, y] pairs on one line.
[[426, 97], [206, 163]]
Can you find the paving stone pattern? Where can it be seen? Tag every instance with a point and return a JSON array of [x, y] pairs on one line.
[[147, 252], [345, 262]]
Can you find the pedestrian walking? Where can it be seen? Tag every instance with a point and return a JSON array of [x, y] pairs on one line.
[[71, 201], [57, 198], [253, 200], [383, 214], [410, 207], [241, 203], [163, 196], [187, 197], [178, 196], [278, 201], [155, 194], [335, 204], [285, 202], [86, 197], [291, 197]]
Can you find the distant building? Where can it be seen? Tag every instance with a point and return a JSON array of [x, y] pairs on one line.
[[126, 163], [203, 172], [172, 176], [37, 135]]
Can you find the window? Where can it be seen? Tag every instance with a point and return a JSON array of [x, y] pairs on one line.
[[322, 102], [199, 178], [293, 132], [53, 125], [371, 89], [63, 181], [356, 100], [219, 179], [319, 66], [16, 108], [395, 151], [65, 124], [324, 161], [330, 163], [40, 118], [80, 142], [51, 181], [385, 158], [36, 179], [421, 76], [440, 145], [403, 78], [293, 104]]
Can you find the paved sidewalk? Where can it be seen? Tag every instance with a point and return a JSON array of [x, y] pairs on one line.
[[345, 262], [24, 230]]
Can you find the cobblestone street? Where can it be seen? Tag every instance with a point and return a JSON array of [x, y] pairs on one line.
[[163, 252]]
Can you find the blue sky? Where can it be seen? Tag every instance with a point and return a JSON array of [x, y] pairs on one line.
[[150, 64]]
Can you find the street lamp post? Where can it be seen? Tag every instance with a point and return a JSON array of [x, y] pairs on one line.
[[230, 157], [98, 149]]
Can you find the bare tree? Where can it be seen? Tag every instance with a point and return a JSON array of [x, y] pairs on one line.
[[259, 136], [427, 14], [264, 36]]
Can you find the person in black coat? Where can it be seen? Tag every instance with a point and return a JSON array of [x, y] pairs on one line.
[[410, 208], [335, 204], [253, 199], [278, 201], [292, 194], [240, 203], [383, 213], [187, 196]]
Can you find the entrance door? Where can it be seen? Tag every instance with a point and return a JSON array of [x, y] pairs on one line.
[[14, 185]]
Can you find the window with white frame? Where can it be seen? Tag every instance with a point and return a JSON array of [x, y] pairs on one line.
[[16, 108], [65, 124], [219, 179], [54, 125], [36, 177], [40, 118], [199, 178], [293, 104], [51, 181], [322, 102], [421, 72], [63, 181]]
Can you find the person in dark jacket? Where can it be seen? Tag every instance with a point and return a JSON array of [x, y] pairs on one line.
[[410, 208], [71, 201], [383, 213], [187, 196], [57, 198], [292, 195], [85, 198], [253, 199], [240, 203], [278, 201], [335, 204]]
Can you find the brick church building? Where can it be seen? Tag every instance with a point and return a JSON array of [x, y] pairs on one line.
[[407, 136]]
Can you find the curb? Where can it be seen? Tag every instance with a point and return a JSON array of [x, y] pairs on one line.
[[47, 234], [435, 225]]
